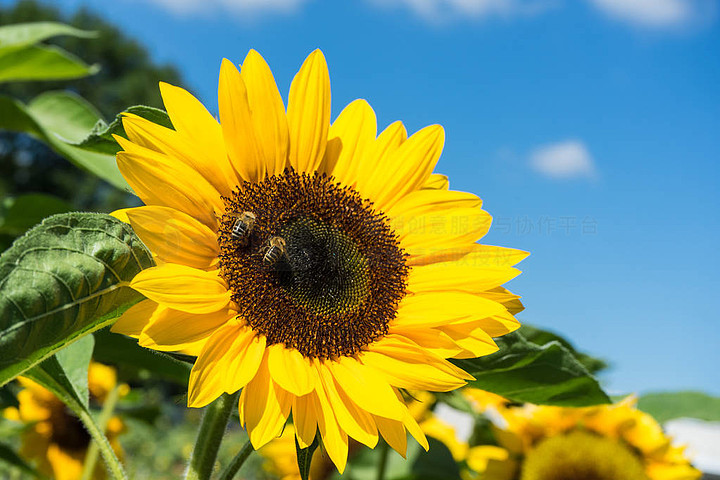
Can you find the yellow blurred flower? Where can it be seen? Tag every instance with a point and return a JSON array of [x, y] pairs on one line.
[[318, 267], [56, 439], [607, 442]]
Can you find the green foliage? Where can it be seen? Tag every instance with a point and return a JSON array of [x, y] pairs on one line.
[[304, 457], [22, 59], [20, 213], [668, 405], [66, 376], [541, 337], [55, 115], [525, 372], [42, 63], [435, 464], [101, 138], [26, 34], [65, 278], [8, 455], [133, 359]]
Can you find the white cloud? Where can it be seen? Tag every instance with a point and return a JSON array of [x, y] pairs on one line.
[[564, 160], [442, 10], [654, 13], [249, 7], [702, 439]]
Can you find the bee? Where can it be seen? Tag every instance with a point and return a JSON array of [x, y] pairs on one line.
[[274, 250], [242, 227]]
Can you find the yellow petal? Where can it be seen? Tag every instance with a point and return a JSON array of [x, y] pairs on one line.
[[414, 429], [291, 370], [304, 418], [121, 214], [422, 202], [183, 288], [457, 277], [366, 387], [425, 234], [174, 237], [408, 366], [356, 422], [268, 112], [227, 362], [393, 432], [350, 140], [442, 308], [215, 169], [474, 339], [334, 438], [386, 145], [437, 181], [135, 318], [506, 298], [266, 407], [237, 126], [407, 168], [158, 180], [191, 119], [308, 113], [173, 330], [431, 339], [472, 254]]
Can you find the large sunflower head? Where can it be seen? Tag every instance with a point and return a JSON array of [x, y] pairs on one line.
[[318, 267], [55, 439], [607, 442]]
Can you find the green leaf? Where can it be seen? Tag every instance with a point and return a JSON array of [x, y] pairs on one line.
[[25, 34], [67, 370], [668, 405], [64, 279], [131, 358], [65, 114], [541, 337], [304, 457], [101, 138], [8, 455], [17, 214], [525, 372], [58, 110], [435, 464], [42, 63]]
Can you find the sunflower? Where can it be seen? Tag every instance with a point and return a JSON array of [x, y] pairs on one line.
[[56, 439], [606, 442], [319, 268]]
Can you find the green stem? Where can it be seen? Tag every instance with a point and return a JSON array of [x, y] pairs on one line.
[[111, 460], [237, 462], [212, 430], [382, 464], [92, 454]]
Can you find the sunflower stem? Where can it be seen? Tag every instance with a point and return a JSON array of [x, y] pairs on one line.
[[92, 454], [382, 463], [210, 435], [237, 462]]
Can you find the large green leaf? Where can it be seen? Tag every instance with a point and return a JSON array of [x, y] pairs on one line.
[[525, 372], [541, 337], [42, 63], [131, 358], [24, 34], [668, 405], [70, 115], [63, 279], [17, 214]]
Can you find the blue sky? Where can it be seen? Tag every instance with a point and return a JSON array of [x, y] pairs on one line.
[[590, 128]]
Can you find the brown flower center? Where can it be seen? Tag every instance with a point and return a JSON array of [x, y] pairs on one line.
[[314, 267]]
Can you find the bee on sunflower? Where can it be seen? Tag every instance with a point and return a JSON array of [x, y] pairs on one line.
[[606, 442], [56, 440], [317, 267]]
